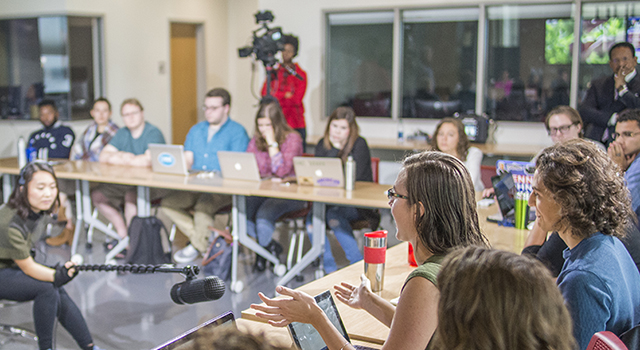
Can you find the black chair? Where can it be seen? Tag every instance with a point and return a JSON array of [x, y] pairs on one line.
[[11, 333], [631, 338]]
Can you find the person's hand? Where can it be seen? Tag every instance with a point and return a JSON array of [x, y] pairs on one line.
[[269, 135], [488, 192], [354, 296], [288, 94], [64, 273], [616, 153], [620, 75], [299, 307]]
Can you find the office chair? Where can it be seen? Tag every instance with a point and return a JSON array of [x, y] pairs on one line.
[[12, 333], [606, 341]]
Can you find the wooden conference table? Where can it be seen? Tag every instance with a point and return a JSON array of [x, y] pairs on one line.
[[361, 325], [365, 194]]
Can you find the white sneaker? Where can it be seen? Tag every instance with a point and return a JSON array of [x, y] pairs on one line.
[[186, 254]]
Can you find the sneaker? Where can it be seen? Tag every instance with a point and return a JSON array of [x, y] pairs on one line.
[[186, 254]]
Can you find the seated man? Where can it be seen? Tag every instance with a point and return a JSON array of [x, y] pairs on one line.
[[127, 147], [217, 133], [98, 134], [54, 136], [57, 139]]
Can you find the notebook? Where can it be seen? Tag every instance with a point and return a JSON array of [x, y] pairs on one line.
[[319, 171], [168, 159], [307, 338], [239, 165], [189, 339]]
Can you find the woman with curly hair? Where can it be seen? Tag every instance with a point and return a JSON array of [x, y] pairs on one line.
[[492, 299], [451, 139], [578, 192]]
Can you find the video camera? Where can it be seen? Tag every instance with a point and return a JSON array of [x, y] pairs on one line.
[[266, 41]]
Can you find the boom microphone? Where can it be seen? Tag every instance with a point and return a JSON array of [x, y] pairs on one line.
[[197, 290]]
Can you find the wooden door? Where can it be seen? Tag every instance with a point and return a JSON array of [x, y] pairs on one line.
[[184, 84]]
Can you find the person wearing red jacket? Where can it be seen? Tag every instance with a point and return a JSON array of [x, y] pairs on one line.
[[289, 88]]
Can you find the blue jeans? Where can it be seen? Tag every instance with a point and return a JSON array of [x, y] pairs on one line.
[[49, 303], [262, 214], [339, 221]]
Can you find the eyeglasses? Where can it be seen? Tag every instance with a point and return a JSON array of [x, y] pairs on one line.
[[561, 129], [130, 114], [210, 108], [392, 195], [624, 134]]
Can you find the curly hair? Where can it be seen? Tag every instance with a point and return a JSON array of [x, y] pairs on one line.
[[230, 338], [442, 184], [588, 186], [492, 299], [463, 141]]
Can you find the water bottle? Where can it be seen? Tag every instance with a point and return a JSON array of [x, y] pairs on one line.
[[400, 131], [375, 251], [350, 174], [32, 153], [22, 153]]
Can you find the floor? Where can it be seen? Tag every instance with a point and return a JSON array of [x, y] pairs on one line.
[[133, 311]]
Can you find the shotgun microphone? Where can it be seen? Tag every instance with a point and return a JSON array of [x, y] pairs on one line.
[[197, 290]]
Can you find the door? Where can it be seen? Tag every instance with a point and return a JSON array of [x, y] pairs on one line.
[[184, 80]]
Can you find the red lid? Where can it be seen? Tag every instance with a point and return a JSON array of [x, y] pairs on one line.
[[376, 234]]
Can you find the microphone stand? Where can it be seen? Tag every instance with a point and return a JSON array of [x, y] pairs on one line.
[[190, 272]]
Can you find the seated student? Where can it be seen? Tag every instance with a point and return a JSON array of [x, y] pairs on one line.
[[275, 144], [577, 191], [341, 139], [216, 133], [624, 151], [54, 136], [564, 124], [127, 147], [450, 138], [492, 299], [427, 183], [23, 222], [98, 134]]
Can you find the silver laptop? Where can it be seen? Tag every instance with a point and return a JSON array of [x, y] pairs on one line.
[[168, 159], [239, 165], [319, 171]]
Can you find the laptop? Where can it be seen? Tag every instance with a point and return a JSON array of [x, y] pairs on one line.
[[307, 338], [319, 171], [168, 159], [238, 165], [189, 339], [505, 191]]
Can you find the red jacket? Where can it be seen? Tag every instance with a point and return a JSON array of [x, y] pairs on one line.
[[284, 82]]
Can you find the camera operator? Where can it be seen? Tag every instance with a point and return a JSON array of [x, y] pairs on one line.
[[289, 88]]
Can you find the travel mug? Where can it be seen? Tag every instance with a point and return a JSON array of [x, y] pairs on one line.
[[375, 251]]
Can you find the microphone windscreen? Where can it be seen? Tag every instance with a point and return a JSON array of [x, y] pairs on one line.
[[198, 290]]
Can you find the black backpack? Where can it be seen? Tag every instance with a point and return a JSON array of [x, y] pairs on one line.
[[148, 242]]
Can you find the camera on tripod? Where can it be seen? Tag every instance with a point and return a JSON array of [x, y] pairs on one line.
[[266, 41]]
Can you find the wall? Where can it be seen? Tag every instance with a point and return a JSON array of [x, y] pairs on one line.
[[136, 43]]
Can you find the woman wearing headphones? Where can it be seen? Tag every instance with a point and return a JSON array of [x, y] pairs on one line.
[[23, 222]]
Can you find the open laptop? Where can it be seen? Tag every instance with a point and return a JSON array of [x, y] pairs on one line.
[[239, 165], [505, 191], [168, 159], [319, 171], [189, 339], [307, 338]]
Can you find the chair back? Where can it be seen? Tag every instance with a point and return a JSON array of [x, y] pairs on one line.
[[606, 341], [631, 338], [375, 168]]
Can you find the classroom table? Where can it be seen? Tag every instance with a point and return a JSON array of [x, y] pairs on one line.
[[365, 194], [361, 325], [488, 149]]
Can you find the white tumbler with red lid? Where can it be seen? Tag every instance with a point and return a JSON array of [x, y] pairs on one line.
[[375, 252]]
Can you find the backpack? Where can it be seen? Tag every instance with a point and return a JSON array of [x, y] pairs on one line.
[[217, 259], [148, 242]]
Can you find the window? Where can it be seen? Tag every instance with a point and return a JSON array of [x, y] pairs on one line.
[[49, 58], [529, 63], [359, 62], [439, 62]]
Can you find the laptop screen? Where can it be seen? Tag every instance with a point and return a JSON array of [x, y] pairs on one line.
[[190, 338], [505, 190]]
